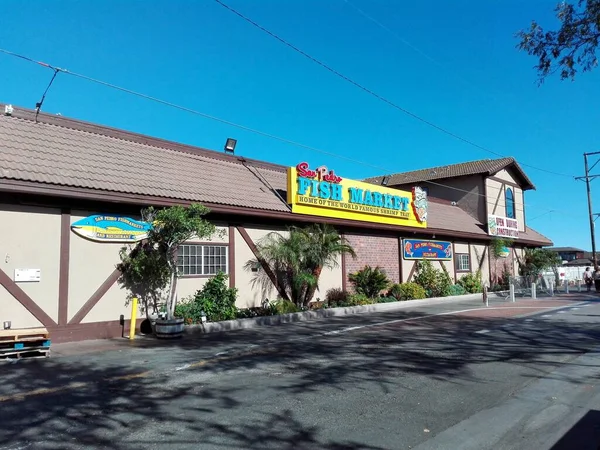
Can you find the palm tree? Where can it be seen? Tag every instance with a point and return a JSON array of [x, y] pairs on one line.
[[298, 259]]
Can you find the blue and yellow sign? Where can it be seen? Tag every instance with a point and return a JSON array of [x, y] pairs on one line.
[[102, 228], [321, 192], [419, 249]]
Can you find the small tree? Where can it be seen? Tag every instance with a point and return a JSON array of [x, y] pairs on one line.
[[535, 261], [435, 282], [151, 267], [145, 274], [297, 260]]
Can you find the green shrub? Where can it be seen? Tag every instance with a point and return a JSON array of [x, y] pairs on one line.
[[189, 310], [216, 299], [435, 282], [247, 313], [386, 299], [369, 281], [335, 296], [457, 289], [281, 306], [359, 300], [471, 282], [407, 291]]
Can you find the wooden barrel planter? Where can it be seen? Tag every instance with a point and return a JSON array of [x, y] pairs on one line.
[[169, 328]]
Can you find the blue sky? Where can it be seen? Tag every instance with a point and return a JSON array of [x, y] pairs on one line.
[[454, 64]]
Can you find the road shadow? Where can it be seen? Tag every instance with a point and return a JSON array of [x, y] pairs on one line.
[[115, 405], [86, 408], [584, 435]]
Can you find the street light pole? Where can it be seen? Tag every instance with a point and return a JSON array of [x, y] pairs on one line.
[[589, 196]]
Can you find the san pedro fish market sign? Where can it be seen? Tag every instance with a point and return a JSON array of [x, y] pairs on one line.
[[102, 228], [435, 250], [503, 227], [320, 192]]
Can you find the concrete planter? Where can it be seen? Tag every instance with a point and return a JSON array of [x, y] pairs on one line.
[[169, 328], [240, 324]]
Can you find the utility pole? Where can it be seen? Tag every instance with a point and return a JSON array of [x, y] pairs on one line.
[[589, 197]]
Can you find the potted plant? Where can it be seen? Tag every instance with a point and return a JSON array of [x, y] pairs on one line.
[[149, 270]]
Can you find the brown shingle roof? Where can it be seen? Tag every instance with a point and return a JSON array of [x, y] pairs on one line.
[[58, 152], [63, 156], [482, 166]]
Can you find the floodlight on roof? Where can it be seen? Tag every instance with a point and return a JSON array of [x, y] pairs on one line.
[[230, 145]]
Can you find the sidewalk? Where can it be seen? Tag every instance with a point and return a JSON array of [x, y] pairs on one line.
[[233, 339]]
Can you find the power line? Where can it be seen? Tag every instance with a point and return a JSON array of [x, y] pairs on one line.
[[227, 122], [374, 94], [491, 95]]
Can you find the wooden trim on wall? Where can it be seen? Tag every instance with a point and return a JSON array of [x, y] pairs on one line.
[[505, 205], [471, 257], [500, 191], [231, 256], [487, 206], [344, 275], [211, 243], [91, 330], [95, 298], [261, 260], [412, 271], [510, 183], [25, 300], [485, 249], [454, 260], [63, 276], [400, 259]]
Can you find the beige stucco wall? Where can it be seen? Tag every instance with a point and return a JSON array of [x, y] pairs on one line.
[[506, 176], [12, 310], [480, 260], [250, 294], [520, 207], [461, 247], [30, 240], [495, 198], [330, 279], [91, 263], [407, 266]]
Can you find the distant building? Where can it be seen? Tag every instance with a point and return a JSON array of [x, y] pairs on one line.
[[568, 253]]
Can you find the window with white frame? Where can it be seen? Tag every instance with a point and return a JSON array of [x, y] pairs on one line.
[[463, 262], [201, 259]]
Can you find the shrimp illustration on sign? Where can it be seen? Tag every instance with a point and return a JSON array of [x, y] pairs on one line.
[[420, 203], [448, 252], [408, 248]]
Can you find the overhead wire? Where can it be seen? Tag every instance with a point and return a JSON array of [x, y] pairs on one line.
[[431, 59], [374, 94], [227, 122]]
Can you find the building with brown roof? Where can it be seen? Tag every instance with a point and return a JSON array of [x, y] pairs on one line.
[[57, 175]]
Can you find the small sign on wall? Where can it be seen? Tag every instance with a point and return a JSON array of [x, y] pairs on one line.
[[28, 275], [434, 250]]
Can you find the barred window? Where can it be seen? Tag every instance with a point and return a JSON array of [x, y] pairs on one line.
[[197, 259], [463, 262]]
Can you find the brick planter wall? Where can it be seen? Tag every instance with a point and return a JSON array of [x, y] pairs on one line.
[[374, 251]]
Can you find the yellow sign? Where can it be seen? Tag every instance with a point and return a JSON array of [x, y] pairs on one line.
[[321, 192]]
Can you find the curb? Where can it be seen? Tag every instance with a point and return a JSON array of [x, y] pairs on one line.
[[255, 322]]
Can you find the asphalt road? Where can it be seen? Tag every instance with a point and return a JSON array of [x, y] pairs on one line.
[[414, 379]]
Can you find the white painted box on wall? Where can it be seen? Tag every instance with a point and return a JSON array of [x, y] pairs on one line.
[[28, 275]]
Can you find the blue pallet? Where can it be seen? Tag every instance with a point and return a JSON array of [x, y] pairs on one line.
[[21, 345]]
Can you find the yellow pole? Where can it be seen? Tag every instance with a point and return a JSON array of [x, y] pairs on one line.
[[133, 314]]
